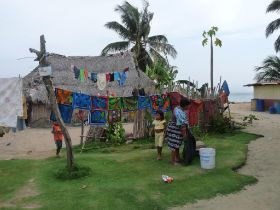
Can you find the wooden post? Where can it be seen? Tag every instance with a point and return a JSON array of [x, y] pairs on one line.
[[41, 57]]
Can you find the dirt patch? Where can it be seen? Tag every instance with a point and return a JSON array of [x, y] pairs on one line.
[[27, 191]]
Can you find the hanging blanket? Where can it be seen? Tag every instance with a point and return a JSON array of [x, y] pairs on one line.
[[194, 110], [115, 103], [156, 102], [98, 117], [175, 99], [65, 112], [81, 101], [114, 116], [10, 101], [144, 102], [130, 103], [166, 106], [99, 103], [64, 96]]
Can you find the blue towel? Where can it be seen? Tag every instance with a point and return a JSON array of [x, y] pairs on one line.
[[226, 88], [81, 101], [117, 76], [123, 78], [65, 112]]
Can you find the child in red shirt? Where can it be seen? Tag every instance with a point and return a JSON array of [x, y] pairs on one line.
[[57, 133]]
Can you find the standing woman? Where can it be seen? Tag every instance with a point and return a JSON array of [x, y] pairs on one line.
[[177, 130]]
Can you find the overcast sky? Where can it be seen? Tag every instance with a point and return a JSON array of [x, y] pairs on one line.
[[76, 27]]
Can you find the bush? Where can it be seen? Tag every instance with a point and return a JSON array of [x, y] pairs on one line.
[[76, 172], [220, 124], [116, 133]]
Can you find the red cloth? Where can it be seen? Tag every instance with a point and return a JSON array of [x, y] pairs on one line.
[[224, 98], [175, 99], [108, 77], [195, 108], [86, 73]]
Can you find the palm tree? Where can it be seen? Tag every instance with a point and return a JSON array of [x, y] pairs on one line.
[[206, 35], [269, 71], [134, 29], [274, 25]]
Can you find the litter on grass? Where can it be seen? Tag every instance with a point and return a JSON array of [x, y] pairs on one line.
[[167, 179]]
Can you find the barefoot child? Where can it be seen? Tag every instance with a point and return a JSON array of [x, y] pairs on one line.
[[159, 124], [57, 133]]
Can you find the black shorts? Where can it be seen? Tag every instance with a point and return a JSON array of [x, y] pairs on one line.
[[58, 144]]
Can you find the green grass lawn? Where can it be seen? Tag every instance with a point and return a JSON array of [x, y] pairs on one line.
[[129, 177]]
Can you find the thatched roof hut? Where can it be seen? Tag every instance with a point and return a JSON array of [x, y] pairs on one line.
[[63, 76]]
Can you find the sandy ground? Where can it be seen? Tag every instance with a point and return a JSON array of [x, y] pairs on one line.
[[263, 162], [36, 143]]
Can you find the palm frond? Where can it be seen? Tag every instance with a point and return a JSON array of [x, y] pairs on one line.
[[270, 69], [130, 17], [158, 38], [115, 47], [274, 25], [204, 42], [218, 42], [156, 55], [120, 29], [273, 6], [165, 48], [146, 18], [277, 44]]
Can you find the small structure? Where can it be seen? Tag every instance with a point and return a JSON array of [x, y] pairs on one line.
[[269, 92], [63, 77]]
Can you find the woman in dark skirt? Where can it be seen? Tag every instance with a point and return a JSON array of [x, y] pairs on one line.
[[176, 130]]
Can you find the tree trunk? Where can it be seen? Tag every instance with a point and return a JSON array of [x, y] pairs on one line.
[[211, 67], [54, 107], [41, 57]]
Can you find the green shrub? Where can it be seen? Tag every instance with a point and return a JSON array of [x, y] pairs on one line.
[[76, 172], [116, 133], [220, 124]]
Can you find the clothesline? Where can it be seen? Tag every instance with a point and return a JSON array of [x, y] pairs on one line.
[[101, 79]]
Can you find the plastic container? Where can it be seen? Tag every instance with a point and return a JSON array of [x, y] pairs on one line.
[[272, 110], [253, 104], [207, 158], [260, 105], [277, 107]]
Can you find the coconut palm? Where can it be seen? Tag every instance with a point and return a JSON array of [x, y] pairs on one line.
[[206, 35], [274, 25], [269, 71], [134, 29]]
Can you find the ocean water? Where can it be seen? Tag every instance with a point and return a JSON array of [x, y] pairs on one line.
[[240, 97]]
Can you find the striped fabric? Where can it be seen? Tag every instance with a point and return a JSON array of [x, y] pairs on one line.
[[173, 136]]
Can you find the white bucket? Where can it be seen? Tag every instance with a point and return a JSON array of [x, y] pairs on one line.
[[207, 158]]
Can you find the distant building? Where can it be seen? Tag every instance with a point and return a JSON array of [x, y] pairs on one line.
[[269, 92]]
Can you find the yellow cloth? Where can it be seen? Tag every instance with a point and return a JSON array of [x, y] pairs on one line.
[[159, 137], [159, 124]]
